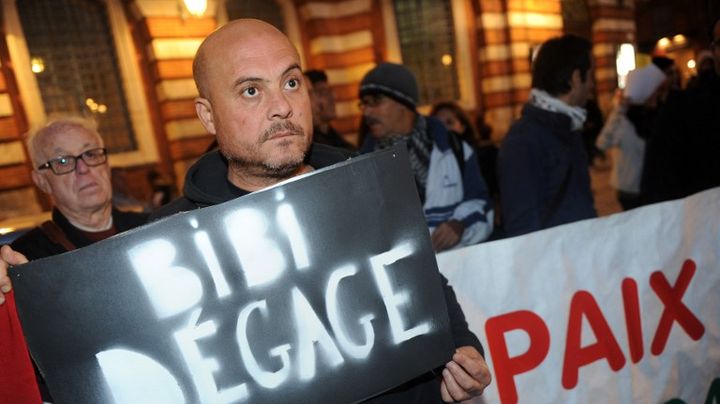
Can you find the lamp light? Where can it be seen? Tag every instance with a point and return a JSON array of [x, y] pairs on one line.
[[196, 8]]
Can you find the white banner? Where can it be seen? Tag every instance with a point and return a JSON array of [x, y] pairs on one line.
[[622, 309]]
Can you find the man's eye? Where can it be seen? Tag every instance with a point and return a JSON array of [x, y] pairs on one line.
[[250, 92], [62, 160], [292, 83]]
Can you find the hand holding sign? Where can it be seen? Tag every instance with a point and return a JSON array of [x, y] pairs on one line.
[[447, 235], [255, 300], [8, 257], [465, 376]]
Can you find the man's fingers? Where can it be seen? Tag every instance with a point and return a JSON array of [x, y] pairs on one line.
[[474, 364], [8, 257], [444, 237], [11, 256], [444, 393], [463, 378], [456, 392], [5, 285]]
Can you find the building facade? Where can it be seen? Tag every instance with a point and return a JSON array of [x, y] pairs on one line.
[[475, 52]]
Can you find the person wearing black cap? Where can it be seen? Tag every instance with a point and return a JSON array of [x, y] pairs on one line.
[[447, 174]]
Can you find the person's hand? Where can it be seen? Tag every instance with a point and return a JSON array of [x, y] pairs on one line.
[[447, 234], [465, 376], [8, 257]]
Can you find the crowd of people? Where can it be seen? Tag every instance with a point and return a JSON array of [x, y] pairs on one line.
[[273, 122]]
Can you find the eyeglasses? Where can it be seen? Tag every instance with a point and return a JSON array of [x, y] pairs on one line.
[[67, 164], [371, 100]]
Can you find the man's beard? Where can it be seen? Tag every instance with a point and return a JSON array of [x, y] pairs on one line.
[[260, 168]]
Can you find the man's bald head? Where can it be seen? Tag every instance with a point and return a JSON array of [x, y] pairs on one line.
[[211, 49]]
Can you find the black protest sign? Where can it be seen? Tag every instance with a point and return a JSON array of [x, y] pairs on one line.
[[321, 289]]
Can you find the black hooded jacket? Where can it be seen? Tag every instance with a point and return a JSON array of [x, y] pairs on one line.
[[206, 184]]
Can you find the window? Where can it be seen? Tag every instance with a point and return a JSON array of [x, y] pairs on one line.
[[576, 18], [72, 52], [426, 34], [268, 11]]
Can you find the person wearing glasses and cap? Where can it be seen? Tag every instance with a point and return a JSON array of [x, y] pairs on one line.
[[70, 165], [447, 174]]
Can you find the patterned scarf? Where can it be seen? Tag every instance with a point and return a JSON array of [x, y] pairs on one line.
[[547, 102], [419, 144]]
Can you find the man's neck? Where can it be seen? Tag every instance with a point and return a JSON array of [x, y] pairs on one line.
[[408, 122], [566, 98], [241, 178], [90, 220]]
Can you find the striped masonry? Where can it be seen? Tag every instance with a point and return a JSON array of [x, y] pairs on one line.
[[17, 192], [14, 166], [170, 39], [613, 24], [343, 38], [507, 32]]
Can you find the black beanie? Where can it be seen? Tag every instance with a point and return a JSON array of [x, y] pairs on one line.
[[393, 80]]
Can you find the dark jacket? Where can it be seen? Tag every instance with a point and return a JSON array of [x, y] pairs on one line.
[[331, 138], [544, 178], [35, 244], [206, 184], [681, 156]]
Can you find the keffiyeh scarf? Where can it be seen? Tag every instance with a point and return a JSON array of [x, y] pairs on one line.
[[419, 144], [547, 102]]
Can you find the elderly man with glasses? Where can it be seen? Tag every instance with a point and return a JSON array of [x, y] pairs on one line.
[[70, 165]]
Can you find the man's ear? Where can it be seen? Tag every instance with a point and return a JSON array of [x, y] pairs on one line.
[[576, 79], [203, 107], [41, 182]]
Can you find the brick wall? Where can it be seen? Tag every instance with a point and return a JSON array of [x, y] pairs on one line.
[[17, 191], [167, 39], [346, 39], [507, 30], [612, 24]]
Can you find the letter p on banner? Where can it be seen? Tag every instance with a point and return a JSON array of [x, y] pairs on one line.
[[507, 367]]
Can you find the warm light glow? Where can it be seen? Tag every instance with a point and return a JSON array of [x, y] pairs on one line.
[[624, 62], [95, 107], [91, 104], [679, 39], [663, 43], [691, 64], [37, 65], [196, 8], [6, 230], [447, 59]]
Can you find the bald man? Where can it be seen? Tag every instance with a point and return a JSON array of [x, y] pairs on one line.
[[253, 97]]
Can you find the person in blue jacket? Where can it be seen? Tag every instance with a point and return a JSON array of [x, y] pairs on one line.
[[543, 170]]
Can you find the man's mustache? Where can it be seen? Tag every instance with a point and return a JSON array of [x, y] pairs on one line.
[[284, 126]]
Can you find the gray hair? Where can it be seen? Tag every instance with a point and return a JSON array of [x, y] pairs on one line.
[[53, 126]]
